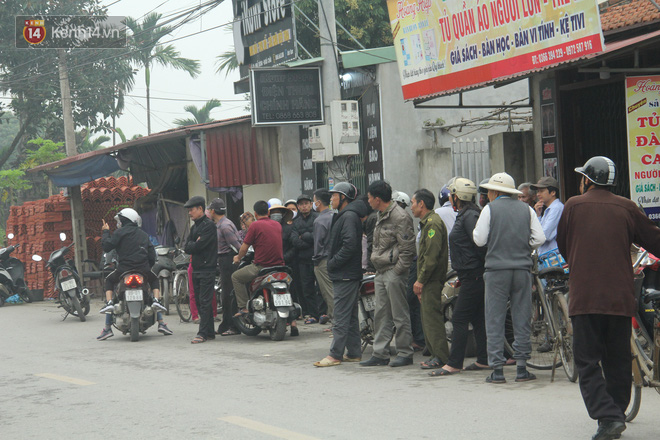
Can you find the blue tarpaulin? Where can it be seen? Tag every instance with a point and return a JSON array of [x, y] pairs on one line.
[[83, 171]]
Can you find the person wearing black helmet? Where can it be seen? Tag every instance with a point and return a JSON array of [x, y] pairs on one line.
[[483, 194], [202, 244], [345, 272], [595, 224]]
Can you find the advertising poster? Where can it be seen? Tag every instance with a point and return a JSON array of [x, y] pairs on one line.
[[445, 45], [643, 116]]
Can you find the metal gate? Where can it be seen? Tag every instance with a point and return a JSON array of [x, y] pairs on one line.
[[471, 158]]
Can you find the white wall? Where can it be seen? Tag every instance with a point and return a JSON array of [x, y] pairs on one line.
[[290, 166], [403, 133]]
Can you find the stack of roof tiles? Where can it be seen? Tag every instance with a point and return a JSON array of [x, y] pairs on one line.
[[37, 225], [623, 14]]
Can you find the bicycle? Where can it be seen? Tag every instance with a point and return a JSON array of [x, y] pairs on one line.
[[551, 330], [644, 345], [182, 295]]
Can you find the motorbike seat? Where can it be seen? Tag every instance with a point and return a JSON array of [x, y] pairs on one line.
[[554, 272], [267, 270], [652, 295]]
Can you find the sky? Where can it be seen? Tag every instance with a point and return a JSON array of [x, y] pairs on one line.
[[177, 86]]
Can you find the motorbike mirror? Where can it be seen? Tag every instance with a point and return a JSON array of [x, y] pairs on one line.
[[37, 257], [10, 236], [62, 236]]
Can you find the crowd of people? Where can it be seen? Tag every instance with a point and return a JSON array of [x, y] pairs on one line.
[[485, 233]]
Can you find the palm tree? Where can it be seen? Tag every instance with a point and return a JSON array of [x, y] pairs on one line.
[[86, 145], [146, 50], [226, 61], [200, 115]]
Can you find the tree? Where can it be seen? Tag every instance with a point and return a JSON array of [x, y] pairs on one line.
[[200, 115], [145, 50], [88, 145]]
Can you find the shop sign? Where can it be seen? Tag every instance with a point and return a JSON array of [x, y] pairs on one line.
[[643, 117], [445, 45]]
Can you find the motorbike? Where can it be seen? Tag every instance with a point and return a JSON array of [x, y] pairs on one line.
[[133, 312], [367, 310], [164, 268], [270, 304], [646, 268], [12, 272], [71, 295]]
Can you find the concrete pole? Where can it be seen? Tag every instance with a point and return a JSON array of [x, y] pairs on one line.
[[330, 72], [77, 215]]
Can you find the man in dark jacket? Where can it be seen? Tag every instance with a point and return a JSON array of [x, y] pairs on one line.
[[602, 300], [202, 244], [345, 271], [302, 238], [134, 252]]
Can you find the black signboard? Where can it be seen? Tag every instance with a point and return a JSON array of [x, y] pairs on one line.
[[307, 175], [264, 33], [286, 96], [373, 146]]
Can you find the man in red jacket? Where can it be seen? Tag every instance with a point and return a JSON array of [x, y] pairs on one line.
[[593, 226]]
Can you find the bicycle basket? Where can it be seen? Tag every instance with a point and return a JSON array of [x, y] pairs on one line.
[[553, 258]]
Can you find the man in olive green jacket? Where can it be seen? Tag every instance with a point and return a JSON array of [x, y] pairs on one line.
[[432, 262]]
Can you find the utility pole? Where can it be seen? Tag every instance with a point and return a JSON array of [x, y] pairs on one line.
[[77, 215], [330, 67]]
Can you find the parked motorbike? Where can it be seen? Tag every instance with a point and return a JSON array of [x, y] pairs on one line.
[[164, 268], [270, 305], [647, 279], [71, 295], [133, 312], [367, 310], [12, 272]]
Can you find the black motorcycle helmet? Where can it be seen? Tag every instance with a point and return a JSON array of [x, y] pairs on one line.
[[600, 170], [483, 190], [346, 189]]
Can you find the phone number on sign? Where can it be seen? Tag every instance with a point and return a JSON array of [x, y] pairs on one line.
[[558, 53]]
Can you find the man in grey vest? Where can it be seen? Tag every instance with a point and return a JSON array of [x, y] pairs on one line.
[[511, 230]]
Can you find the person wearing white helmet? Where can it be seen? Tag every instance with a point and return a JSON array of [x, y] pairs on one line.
[[134, 252], [401, 198], [511, 230]]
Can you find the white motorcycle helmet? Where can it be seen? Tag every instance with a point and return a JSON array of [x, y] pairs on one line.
[[274, 202], [130, 214], [401, 197]]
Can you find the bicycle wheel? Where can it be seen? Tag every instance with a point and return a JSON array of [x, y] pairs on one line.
[[182, 297], [541, 335], [565, 335], [165, 293], [635, 399]]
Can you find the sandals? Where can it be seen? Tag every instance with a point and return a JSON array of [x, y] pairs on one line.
[[310, 320], [442, 372], [431, 364], [325, 362], [474, 367], [230, 332], [198, 339]]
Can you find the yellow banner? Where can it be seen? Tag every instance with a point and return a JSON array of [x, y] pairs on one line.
[[446, 45], [643, 115]]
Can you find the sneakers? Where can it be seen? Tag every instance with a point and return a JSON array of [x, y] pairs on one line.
[[108, 308], [157, 305], [401, 361], [105, 334], [162, 328]]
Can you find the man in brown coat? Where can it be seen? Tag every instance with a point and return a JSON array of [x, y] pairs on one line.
[[594, 226]]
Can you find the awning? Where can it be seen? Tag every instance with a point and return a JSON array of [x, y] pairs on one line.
[[85, 170], [368, 57]]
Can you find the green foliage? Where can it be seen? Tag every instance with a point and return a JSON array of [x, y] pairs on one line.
[[10, 182], [200, 115], [88, 145], [46, 151]]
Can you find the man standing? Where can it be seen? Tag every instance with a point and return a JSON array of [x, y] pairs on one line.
[[265, 236], [593, 225], [345, 272], [228, 246], [527, 194], [432, 260], [202, 244], [511, 230], [322, 226], [548, 209], [393, 251], [302, 238], [446, 211]]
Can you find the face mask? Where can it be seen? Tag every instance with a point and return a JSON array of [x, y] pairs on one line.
[[314, 206], [277, 216], [295, 214]]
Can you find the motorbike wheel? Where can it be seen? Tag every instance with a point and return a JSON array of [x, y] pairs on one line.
[[277, 333], [165, 293], [23, 294], [241, 324], [85, 306], [78, 309], [135, 329], [4, 293]]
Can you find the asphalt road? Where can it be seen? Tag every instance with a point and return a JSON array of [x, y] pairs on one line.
[[58, 381]]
